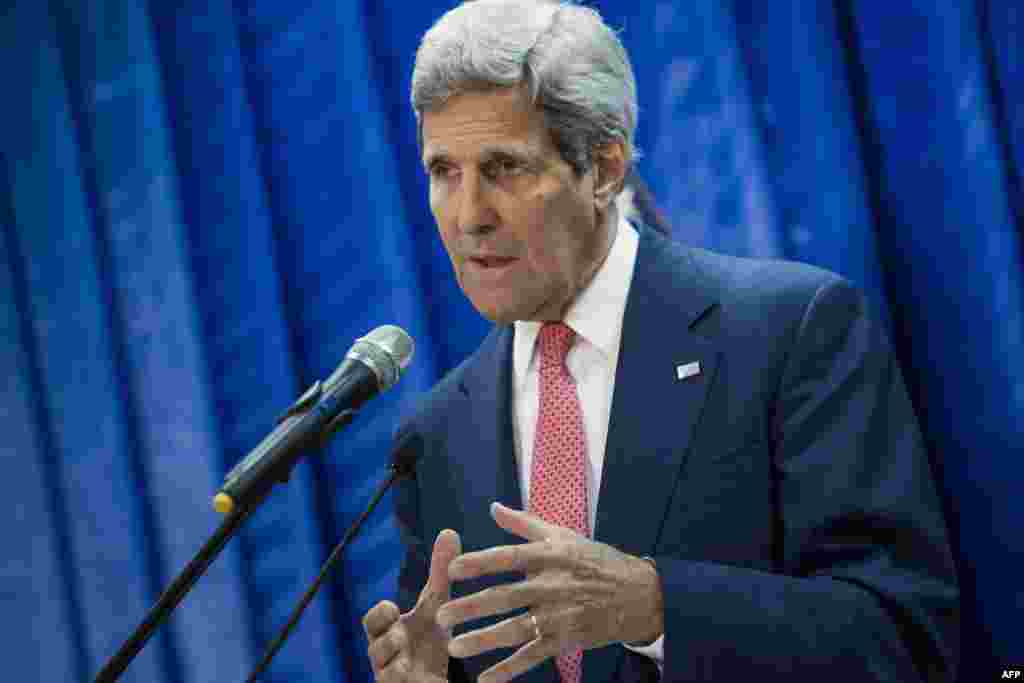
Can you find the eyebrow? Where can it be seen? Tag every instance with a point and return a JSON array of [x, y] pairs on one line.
[[521, 152]]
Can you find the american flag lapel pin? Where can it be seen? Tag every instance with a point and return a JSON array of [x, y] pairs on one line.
[[688, 370]]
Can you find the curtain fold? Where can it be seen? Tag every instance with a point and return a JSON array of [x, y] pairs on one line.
[[1000, 27], [88, 440], [704, 158], [204, 203], [37, 565], [251, 364], [955, 284], [797, 70]]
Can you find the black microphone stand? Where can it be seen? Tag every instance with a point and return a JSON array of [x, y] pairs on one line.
[[373, 364], [403, 464], [397, 470], [234, 519], [158, 614]]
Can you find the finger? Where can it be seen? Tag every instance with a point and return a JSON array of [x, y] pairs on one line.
[[385, 648], [508, 633], [380, 618], [447, 547], [488, 602], [523, 524], [523, 659], [397, 671], [527, 558]]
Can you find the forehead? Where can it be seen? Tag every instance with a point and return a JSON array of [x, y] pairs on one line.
[[477, 122]]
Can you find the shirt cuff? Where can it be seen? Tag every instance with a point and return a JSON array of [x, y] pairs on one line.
[[655, 651]]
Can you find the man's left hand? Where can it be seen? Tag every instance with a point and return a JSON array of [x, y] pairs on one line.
[[580, 594]]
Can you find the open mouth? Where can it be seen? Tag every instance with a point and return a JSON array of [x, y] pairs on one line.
[[492, 262]]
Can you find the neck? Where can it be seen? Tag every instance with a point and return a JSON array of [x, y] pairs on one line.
[[603, 246]]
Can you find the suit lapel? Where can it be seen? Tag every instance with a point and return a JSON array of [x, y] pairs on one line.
[[485, 442], [653, 413]]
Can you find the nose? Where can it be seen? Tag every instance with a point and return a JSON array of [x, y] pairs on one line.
[[476, 213]]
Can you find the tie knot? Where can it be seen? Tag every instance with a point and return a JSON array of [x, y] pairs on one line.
[[554, 342]]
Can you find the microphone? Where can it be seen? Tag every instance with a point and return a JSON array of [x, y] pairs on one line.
[[372, 365]]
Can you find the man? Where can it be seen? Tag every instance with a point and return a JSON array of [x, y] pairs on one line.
[[662, 463]]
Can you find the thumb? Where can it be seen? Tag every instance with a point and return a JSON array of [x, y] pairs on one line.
[[447, 547]]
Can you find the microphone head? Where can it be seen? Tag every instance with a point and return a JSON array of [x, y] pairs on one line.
[[387, 351]]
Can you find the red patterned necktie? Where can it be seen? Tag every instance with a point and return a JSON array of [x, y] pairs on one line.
[[558, 479]]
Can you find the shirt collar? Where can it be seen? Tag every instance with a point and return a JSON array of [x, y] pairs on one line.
[[596, 314]]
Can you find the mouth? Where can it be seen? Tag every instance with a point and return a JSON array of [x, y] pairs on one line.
[[491, 263]]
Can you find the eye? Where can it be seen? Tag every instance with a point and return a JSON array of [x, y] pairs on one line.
[[441, 170], [505, 167], [511, 166]]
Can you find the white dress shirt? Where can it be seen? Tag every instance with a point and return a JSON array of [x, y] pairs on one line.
[[596, 318]]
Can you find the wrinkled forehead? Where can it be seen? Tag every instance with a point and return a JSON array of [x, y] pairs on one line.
[[484, 122], [523, 91]]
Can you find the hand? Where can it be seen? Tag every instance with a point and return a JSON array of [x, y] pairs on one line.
[[583, 594], [411, 646]]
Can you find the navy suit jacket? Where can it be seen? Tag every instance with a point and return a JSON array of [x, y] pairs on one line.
[[784, 492]]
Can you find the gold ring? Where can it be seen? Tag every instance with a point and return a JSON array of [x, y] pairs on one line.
[[536, 628]]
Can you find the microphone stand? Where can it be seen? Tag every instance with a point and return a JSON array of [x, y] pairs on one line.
[[235, 516], [382, 354], [397, 469], [184, 582], [115, 666]]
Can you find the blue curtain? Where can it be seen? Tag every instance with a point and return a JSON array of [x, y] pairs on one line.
[[204, 203]]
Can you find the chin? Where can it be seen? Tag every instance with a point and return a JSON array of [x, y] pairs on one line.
[[500, 315], [505, 310]]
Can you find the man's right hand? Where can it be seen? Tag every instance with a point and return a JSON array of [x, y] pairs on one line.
[[411, 646]]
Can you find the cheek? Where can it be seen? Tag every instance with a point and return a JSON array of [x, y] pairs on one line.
[[548, 257], [445, 227], [551, 245]]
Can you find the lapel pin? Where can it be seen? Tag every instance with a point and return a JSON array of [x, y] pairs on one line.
[[687, 371]]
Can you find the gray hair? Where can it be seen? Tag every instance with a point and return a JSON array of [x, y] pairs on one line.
[[572, 64]]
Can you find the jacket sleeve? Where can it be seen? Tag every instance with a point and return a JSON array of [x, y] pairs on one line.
[[865, 588]]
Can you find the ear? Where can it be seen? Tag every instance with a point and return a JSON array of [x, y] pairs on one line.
[[609, 173]]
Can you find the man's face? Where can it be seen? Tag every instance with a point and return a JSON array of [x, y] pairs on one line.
[[521, 229]]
